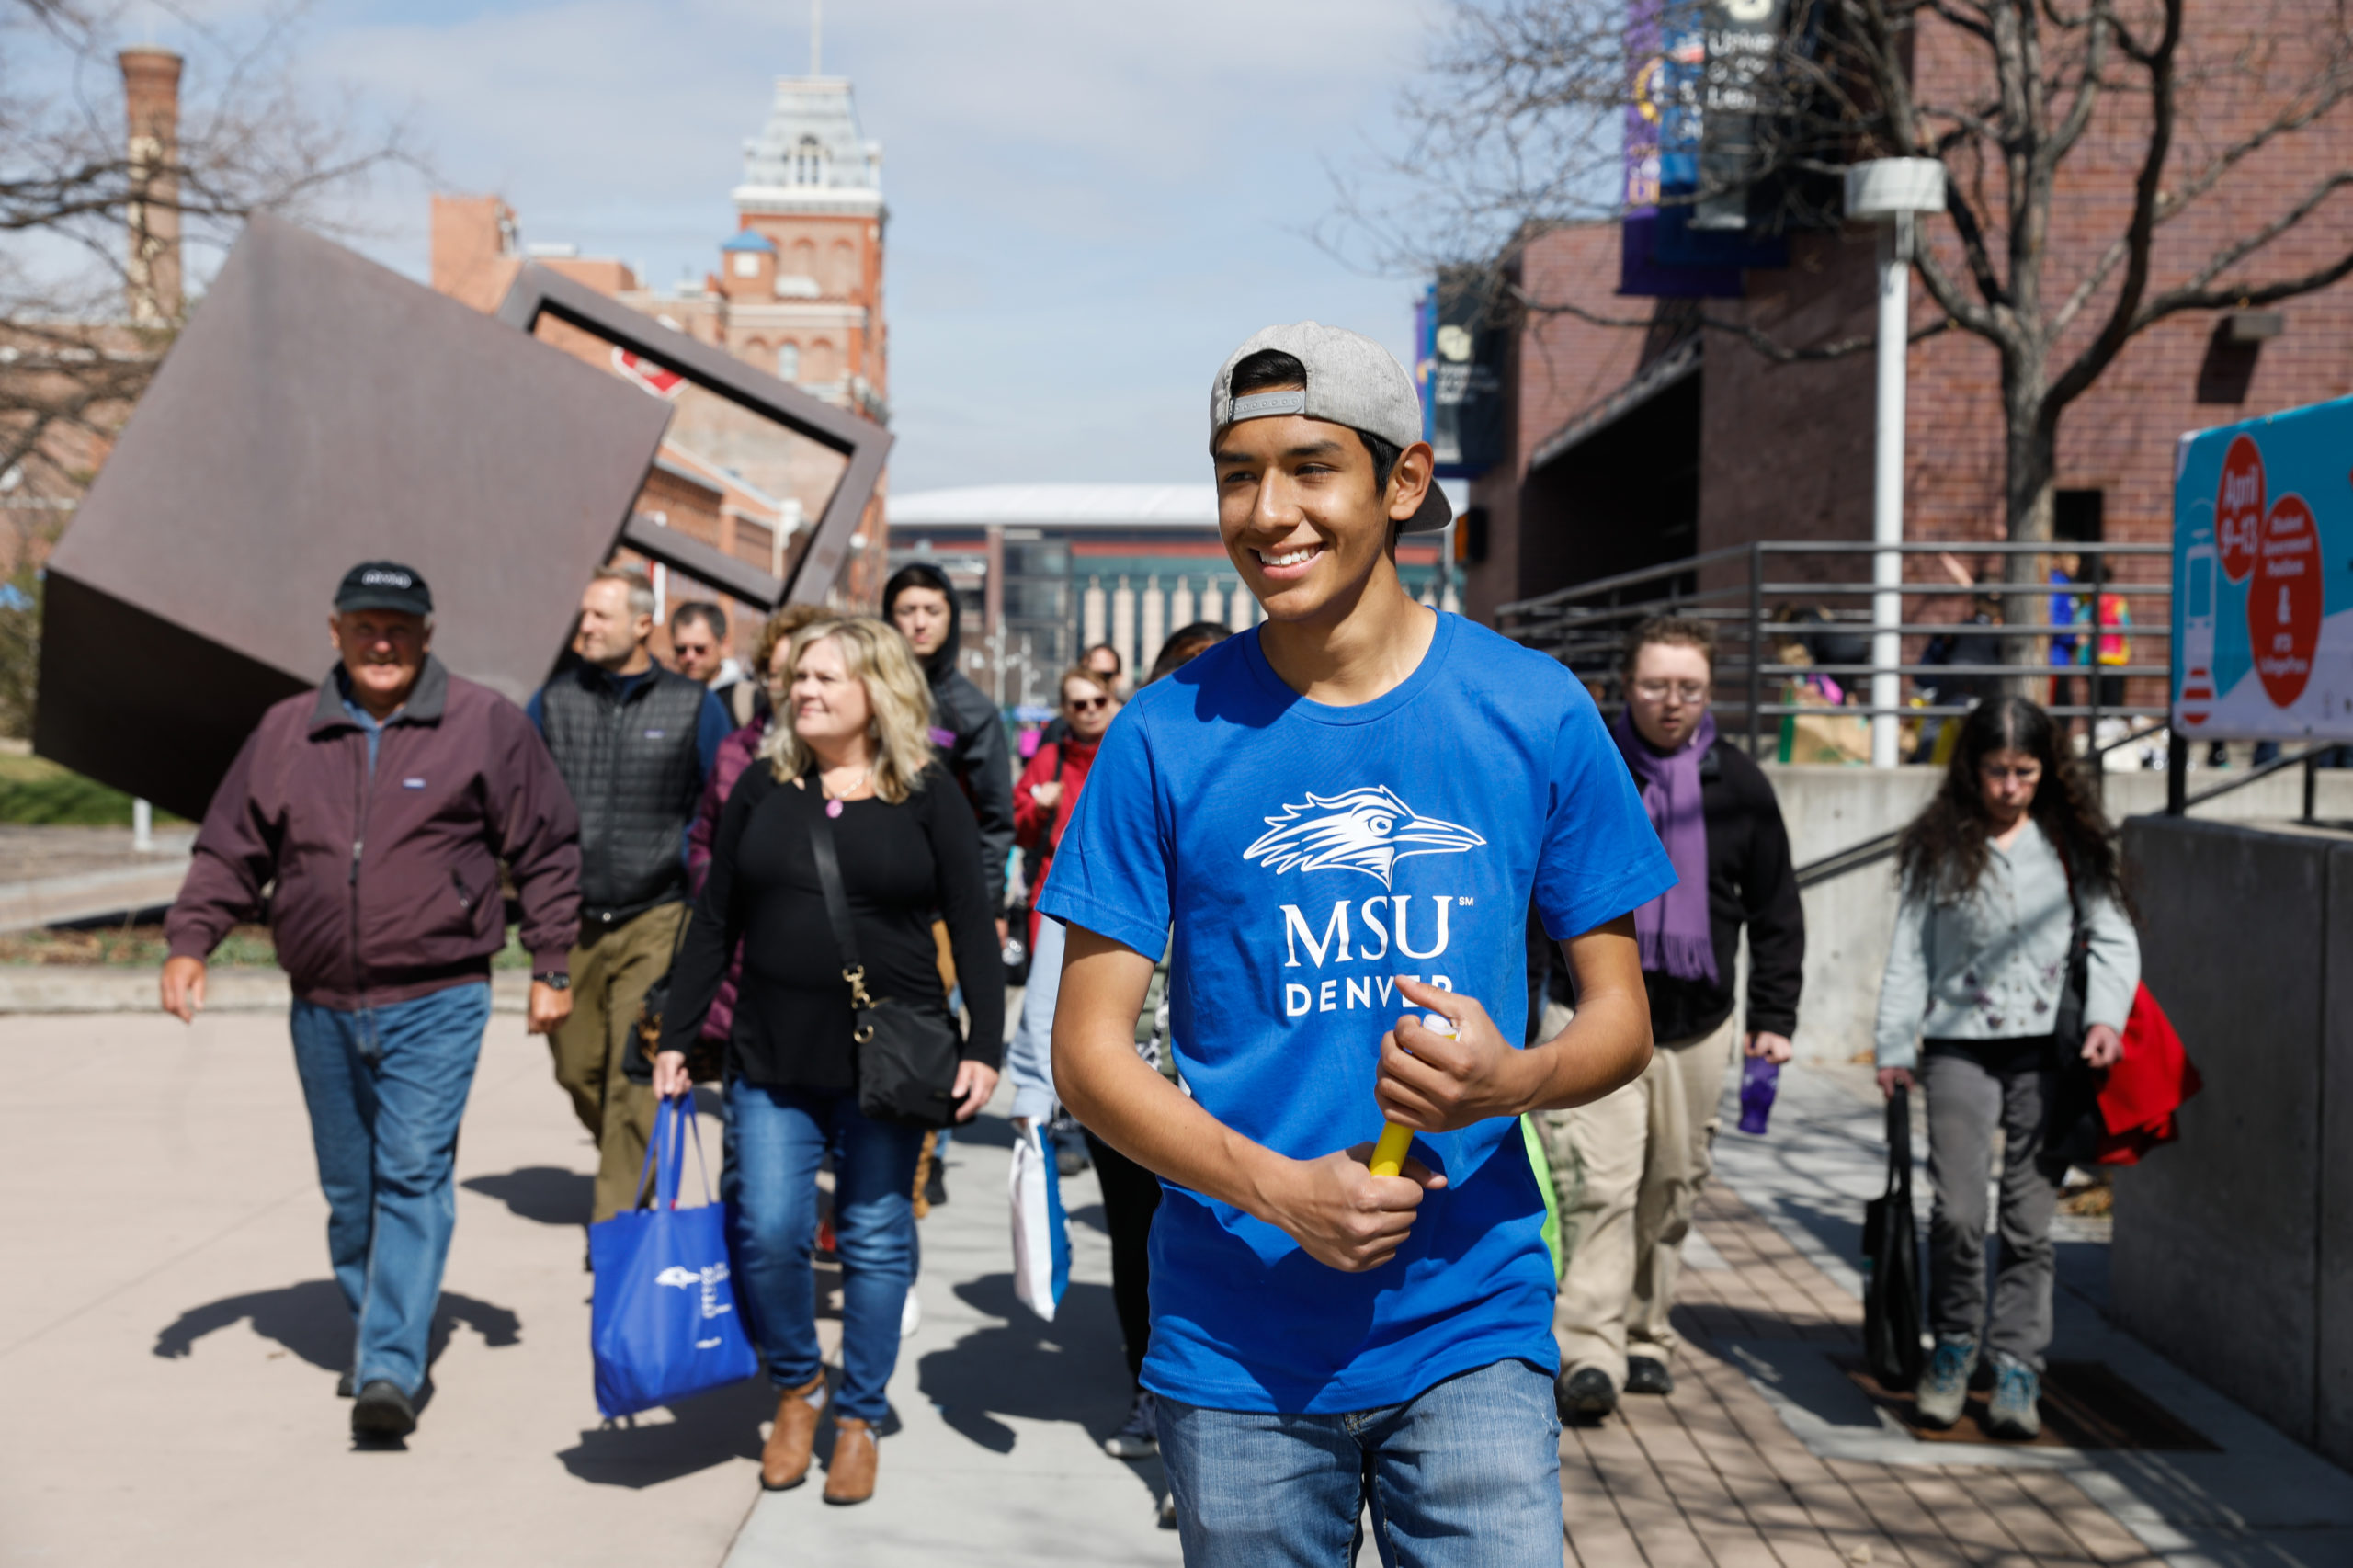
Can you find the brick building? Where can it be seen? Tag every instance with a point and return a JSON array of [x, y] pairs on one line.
[[1626, 448], [797, 291]]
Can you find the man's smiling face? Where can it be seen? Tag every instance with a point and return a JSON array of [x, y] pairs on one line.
[[1300, 514]]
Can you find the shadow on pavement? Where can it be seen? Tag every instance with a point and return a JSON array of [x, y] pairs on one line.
[[709, 1430], [311, 1320], [546, 1195], [1068, 1369], [987, 1130]]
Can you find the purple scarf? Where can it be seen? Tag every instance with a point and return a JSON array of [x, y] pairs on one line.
[[1672, 930]]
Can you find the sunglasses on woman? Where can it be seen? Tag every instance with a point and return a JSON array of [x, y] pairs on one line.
[[1085, 704]]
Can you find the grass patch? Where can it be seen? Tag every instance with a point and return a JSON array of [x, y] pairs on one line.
[[143, 947], [130, 947], [35, 789]]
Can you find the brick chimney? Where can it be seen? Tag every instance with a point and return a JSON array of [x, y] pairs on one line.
[[151, 96]]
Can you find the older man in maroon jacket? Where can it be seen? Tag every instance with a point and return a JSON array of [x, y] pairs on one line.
[[381, 807]]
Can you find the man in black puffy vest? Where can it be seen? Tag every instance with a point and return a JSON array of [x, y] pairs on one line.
[[633, 742]]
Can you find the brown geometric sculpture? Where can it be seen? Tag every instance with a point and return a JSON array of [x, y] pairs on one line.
[[538, 292], [320, 410]]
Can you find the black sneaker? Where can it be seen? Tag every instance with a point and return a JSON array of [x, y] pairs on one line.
[[1646, 1374], [342, 1389], [383, 1411], [1585, 1392]]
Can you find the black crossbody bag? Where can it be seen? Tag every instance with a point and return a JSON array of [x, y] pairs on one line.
[[906, 1052], [2072, 1127]]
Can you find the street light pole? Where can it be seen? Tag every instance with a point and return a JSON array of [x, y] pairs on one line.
[[1892, 192]]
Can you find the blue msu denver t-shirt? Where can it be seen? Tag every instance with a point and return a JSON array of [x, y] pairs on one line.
[[1306, 855]]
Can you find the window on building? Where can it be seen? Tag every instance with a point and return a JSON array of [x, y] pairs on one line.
[[747, 263], [822, 365], [844, 267], [788, 361], [2077, 516], [809, 162]]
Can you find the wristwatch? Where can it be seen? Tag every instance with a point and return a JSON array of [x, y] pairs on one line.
[[555, 982]]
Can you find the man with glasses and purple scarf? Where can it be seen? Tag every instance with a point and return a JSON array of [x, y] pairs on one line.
[[1644, 1152]]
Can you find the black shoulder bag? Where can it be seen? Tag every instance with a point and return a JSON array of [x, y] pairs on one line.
[[2072, 1127], [906, 1053], [1892, 1262]]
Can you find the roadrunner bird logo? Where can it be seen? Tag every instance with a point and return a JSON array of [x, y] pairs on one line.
[[1367, 830]]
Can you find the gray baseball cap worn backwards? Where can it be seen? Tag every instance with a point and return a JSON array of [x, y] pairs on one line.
[[1351, 380]]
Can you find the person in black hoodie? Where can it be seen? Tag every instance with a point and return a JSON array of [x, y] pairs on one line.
[[967, 727], [1644, 1151]]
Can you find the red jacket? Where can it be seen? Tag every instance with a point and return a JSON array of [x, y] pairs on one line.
[[1041, 827], [387, 886]]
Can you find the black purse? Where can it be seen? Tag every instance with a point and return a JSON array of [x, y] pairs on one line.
[[2072, 1127], [906, 1053], [1892, 1262]]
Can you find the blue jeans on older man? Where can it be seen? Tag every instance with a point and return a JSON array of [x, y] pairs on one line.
[[776, 1140], [386, 1088], [1465, 1474]]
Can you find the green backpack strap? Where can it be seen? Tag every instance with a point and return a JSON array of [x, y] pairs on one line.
[[1543, 1169]]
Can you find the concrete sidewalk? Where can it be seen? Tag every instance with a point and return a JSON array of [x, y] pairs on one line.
[[169, 1341]]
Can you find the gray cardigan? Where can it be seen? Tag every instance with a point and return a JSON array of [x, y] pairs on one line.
[[1992, 965]]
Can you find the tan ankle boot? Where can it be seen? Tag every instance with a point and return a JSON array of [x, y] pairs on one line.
[[784, 1463], [850, 1477]]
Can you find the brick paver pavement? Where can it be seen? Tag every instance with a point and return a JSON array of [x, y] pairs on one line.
[[1713, 1478]]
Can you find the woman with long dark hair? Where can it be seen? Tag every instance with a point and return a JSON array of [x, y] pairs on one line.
[[1995, 873]]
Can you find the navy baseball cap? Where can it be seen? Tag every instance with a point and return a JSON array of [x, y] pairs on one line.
[[383, 585]]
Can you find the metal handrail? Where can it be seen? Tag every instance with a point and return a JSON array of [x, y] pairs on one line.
[[1583, 625]]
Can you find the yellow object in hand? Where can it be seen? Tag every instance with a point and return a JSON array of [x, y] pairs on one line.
[[1388, 1154]]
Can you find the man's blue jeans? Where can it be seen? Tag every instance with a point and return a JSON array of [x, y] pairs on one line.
[[1466, 1474], [387, 1087], [776, 1140]]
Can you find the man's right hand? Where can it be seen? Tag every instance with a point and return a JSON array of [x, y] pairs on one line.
[[184, 988], [1890, 1077], [1344, 1216]]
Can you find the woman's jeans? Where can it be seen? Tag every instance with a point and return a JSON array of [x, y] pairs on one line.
[[1466, 1474], [386, 1087], [776, 1140], [1974, 1086]]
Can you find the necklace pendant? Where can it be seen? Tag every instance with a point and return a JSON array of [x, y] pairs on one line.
[[833, 808]]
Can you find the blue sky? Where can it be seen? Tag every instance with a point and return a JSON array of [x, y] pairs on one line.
[[1090, 203]]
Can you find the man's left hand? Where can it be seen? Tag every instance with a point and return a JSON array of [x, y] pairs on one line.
[[975, 1082], [548, 1008], [1432, 1083], [2103, 1046], [1773, 1048]]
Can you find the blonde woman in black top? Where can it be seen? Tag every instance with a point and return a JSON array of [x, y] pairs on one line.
[[853, 745]]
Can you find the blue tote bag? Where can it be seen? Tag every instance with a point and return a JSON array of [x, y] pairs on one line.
[[663, 1324]]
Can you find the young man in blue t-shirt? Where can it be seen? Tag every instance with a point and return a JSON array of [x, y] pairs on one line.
[[1345, 813]]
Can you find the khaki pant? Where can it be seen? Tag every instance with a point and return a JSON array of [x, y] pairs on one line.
[[612, 969], [1641, 1156]]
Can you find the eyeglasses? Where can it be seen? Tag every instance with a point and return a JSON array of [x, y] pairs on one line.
[[1085, 704], [1681, 690]]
